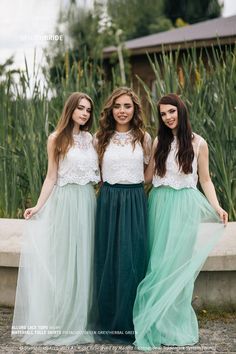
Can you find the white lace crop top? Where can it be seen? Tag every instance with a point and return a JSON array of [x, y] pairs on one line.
[[122, 163], [174, 177], [80, 164]]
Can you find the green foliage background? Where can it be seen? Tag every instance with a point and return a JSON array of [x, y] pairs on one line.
[[29, 113], [87, 30], [209, 89]]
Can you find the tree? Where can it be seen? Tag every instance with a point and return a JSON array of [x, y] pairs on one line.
[[84, 39], [137, 18], [192, 11], [85, 30]]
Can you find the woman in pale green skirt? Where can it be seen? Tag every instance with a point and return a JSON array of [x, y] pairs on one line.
[[54, 292], [183, 227]]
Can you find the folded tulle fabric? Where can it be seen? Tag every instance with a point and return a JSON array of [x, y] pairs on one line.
[[54, 293], [120, 258], [183, 229]]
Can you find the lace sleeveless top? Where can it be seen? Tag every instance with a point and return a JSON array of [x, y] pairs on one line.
[[123, 163], [174, 177], [80, 164]]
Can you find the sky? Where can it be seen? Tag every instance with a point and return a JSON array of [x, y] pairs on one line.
[[27, 26], [25, 22]]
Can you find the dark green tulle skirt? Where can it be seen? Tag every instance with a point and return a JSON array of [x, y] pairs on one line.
[[120, 257]]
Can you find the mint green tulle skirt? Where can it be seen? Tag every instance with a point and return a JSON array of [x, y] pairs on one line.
[[183, 228], [54, 294]]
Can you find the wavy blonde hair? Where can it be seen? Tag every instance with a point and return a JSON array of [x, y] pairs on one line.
[[64, 128], [107, 123]]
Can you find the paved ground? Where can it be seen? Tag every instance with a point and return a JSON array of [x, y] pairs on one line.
[[217, 335]]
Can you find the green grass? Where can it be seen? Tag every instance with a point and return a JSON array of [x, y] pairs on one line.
[[209, 88]]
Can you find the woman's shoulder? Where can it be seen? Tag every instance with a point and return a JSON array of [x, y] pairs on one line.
[[95, 135], [198, 140], [199, 145], [52, 138], [147, 138], [51, 142], [155, 141], [53, 135], [147, 135]]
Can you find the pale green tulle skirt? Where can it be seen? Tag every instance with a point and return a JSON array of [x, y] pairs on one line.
[[183, 228], [54, 294]]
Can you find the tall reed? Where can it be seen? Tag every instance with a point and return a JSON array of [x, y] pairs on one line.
[[207, 83], [30, 108], [29, 113]]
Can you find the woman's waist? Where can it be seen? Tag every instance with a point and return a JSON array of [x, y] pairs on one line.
[[177, 182], [123, 185]]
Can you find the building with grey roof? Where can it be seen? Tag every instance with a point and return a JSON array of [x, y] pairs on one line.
[[203, 35]]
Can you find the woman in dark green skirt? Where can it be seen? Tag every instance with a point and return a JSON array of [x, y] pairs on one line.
[[120, 240]]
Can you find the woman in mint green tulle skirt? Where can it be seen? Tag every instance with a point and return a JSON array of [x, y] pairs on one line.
[[54, 293], [183, 227]]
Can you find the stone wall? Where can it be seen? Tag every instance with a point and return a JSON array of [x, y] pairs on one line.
[[215, 286]]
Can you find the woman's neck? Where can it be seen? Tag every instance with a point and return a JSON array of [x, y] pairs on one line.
[[122, 128], [76, 129]]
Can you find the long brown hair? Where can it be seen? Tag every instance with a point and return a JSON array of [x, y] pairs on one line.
[[165, 136], [107, 123], [64, 136]]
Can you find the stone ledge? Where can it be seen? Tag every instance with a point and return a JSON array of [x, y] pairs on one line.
[[215, 286], [11, 233], [222, 258]]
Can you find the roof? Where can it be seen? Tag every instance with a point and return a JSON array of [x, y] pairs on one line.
[[219, 28]]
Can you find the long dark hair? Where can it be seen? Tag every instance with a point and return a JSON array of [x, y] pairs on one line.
[[185, 154], [107, 123], [65, 124]]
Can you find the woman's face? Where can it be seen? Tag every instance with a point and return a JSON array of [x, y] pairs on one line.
[[169, 115], [82, 112], [123, 111]]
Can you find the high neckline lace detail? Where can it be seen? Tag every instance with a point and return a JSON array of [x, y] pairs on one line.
[[80, 164], [81, 140], [77, 134], [122, 138], [124, 162]]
